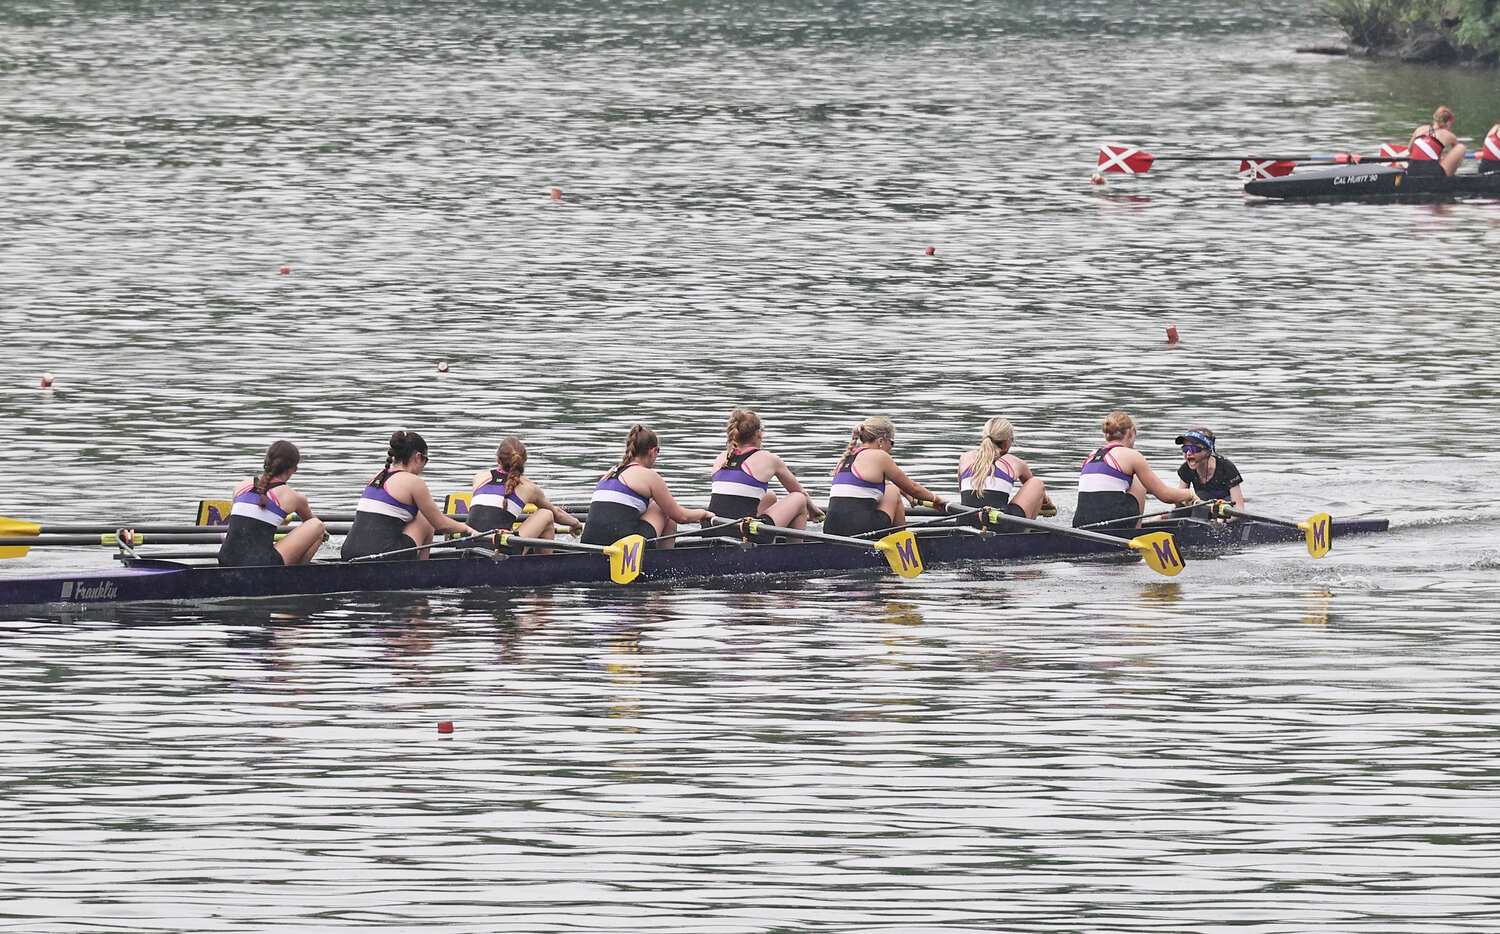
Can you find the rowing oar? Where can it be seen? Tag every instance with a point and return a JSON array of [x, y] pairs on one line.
[[946, 517], [16, 546], [1112, 523], [1132, 161], [1158, 549], [624, 555], [19, 527], [899, 548], [1318, 528]]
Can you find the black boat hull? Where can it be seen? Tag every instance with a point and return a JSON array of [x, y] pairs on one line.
[[1373, 183], [146, 580]]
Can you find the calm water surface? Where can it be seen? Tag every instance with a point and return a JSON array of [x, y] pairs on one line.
[[1265, 743]]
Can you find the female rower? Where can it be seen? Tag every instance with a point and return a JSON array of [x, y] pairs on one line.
[[633, 499], [990, 475], [1209, 474], [396, 511], [261, 504], [1489, 152], [502, 493], [742, 477], [1426, 154], [1116, 478], [865, 495]]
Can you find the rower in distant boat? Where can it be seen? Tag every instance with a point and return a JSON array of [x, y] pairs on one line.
[[990, 475], [1116, 478], [1435, 150], [1489, 152], [261, 505], [633, 499], [396, 511], [742, 475], [1209, 474], [865, 495], [502, 493]]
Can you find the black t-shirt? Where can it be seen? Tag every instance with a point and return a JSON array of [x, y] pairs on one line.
[[1226, 476]]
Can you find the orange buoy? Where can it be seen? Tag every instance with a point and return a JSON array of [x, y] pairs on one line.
[[445, 726], [286, 270], [557, 194], [1171, 335], [931, 250], [1097, 179]]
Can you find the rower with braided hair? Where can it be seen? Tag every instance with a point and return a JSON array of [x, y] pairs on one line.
[[261, 505], [633, 499], [502, 493], [742, 475], [865, 495], [396, 510]]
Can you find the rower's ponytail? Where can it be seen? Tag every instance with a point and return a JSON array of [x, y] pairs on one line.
[[743, 425], [871, 429], [511, 456], [281, 456], [638, 443], [997, 431], [403, 447]]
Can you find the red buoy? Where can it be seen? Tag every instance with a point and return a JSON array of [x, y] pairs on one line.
[[46, 380], [286, 270], [1171, 335], [445, 726], [931, 250]]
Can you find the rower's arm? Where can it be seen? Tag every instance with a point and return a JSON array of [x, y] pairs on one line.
[[1157, 488], [673, 510], [907, 485], [559, 513], [422, 499]]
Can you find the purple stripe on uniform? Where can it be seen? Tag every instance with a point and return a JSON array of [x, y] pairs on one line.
[[379, 495], [736, 475], [252, 498]]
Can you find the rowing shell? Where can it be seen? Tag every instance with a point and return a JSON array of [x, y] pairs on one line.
[[1373, 183], [147, 579]]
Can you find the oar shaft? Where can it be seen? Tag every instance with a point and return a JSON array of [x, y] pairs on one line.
[[999, 515], [756, 527], [505, 538]]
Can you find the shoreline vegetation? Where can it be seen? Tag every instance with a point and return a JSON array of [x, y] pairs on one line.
[[1455, 32]]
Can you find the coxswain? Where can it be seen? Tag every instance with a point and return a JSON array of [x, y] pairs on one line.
[[633, 499], [742, 475], [1489, 151], [396, 511], [865, 495], [1434, 149], [261, 504], [502, 494], [991, 476], [1115, 479], [1209, 474]]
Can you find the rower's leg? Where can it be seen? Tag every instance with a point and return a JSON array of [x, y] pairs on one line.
[[538, 525], [1138, 490], [892, 504], [1453, 158], [658, 520], [790, 511], [301, 543], [1029, 497], [419, 530]]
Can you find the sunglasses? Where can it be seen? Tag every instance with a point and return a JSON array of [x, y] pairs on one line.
[[1192, 449]]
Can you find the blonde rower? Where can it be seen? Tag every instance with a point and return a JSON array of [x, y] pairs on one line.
[[865, 495], [1116, 478], [1426, 155], [990, 475], [502, 493]]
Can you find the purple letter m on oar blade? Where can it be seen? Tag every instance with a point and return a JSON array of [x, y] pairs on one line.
[[901, 553]]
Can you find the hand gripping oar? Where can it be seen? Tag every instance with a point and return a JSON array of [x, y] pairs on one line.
[[1318, 528], [624, 555], [1158, 549], [899, 548]]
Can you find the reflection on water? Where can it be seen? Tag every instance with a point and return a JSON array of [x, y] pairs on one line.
[[1265, 741]]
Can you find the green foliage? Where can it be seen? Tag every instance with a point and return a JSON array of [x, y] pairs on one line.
[[1382, 24]]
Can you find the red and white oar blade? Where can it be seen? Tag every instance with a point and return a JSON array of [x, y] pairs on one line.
[[1394, 150], [1251, 169], [1125, 159]]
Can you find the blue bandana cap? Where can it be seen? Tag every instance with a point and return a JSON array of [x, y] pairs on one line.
[[1198, 438]]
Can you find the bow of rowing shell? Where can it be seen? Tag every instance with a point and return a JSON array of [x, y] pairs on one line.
[[148, 580]]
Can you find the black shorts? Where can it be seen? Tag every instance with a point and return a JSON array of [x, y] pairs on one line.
[[856, 521]]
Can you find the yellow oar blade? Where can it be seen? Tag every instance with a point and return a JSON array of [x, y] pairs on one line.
[[14, 551], [1319, 531], [14, 528], [900, 549], [214, 511], [625, 558], [1160, 552]]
